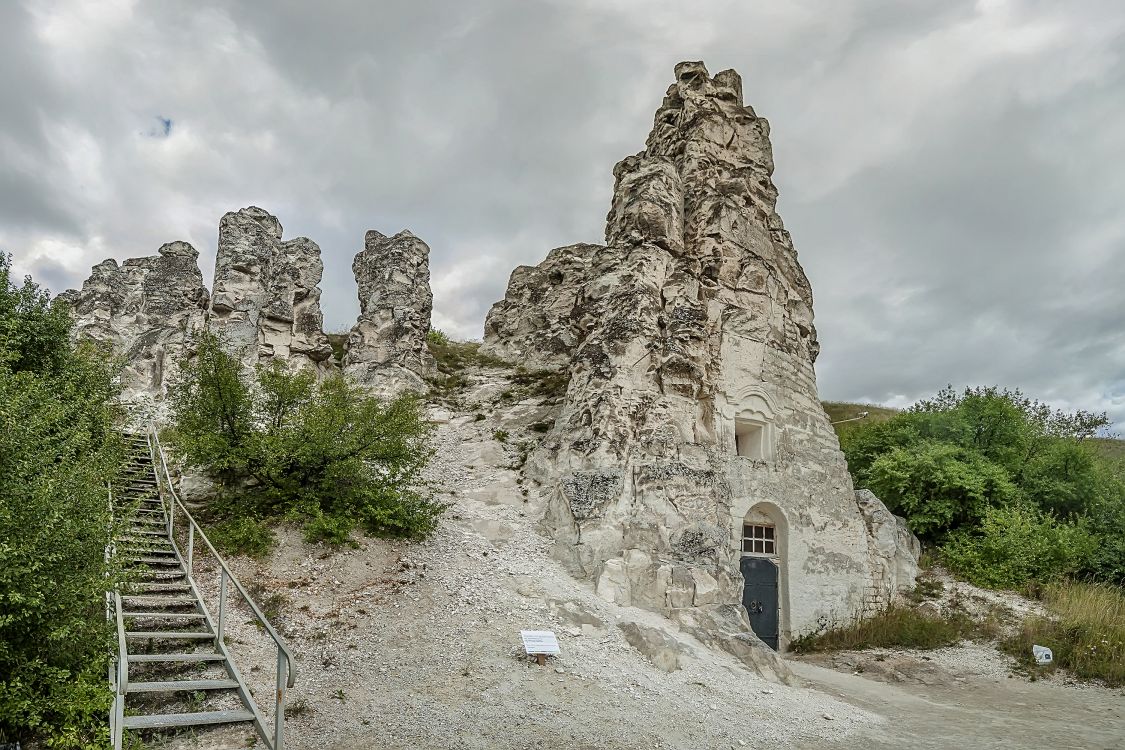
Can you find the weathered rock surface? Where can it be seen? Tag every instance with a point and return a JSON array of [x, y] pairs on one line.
[[692, 407], [146, 309], [387, 346], [893, 551], [266, 301], [657, 646], [546, 309]]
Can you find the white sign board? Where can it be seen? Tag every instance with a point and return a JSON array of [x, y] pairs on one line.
[[539, 642]]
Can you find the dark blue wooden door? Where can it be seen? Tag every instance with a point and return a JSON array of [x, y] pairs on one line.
[[759, 597]]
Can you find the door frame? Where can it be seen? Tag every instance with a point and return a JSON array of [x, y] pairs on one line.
[[766, 512]]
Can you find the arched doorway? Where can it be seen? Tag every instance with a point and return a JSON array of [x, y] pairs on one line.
[[763, 572]]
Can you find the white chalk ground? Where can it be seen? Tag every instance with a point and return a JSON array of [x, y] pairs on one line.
[[416, 645]]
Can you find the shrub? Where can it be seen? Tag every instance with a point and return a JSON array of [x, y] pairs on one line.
[[331, 529], [58, 453], [242, 535], [452, 357], [1016, 545], [951, 460], [437, 337], [500, 436], [1086, 631], [938, 486], [897, 627], [289, 446]]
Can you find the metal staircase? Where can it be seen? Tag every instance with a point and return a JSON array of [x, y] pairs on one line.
[[172, 654]]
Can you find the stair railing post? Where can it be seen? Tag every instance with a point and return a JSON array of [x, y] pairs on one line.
[[222, 602], [190, 546], [279, 709]]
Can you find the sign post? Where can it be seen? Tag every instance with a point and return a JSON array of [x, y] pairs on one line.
[[540, 644]]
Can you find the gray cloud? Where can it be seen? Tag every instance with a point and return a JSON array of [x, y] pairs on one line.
[[949, 171]]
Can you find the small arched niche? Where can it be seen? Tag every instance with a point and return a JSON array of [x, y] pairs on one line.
[[754, 430]]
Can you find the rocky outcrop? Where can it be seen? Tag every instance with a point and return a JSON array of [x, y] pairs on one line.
[[265, 306], [147, 310], [692, 406], [893, 552], [266, 301], [387, 349], [546, 309]]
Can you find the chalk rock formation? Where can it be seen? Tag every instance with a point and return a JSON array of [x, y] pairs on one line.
[[893, 552], [545, 311], [145, 309], [692, 412], [387, 346], [266, 300]]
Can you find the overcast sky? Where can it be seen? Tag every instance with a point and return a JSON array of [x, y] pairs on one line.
[[952, 172]]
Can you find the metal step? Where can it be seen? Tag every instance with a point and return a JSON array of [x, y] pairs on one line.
[[168, 635], [157, 721], [175, 685], [154, 587], [154, 560], [137, 550], [166, 615], [181, 657], [161, 576], [158, 523], [146, 551]]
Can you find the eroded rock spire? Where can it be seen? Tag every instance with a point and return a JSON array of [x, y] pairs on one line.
[[692, 416]]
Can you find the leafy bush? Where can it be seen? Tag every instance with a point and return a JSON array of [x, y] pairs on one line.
[[58, 453], [1085, 631], [897, 627], [1016, 545], [242, 535], [324, 453], [973, 472], [438, 337], [938, 486]]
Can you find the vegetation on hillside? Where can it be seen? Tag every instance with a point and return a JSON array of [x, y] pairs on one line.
[[1085, 630], [1008, 490], [897, 627], [58, 453], [280, 444]]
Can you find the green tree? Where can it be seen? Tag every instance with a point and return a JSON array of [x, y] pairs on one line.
[[952, 461], [939, 486], [58, 452], [322, 452]]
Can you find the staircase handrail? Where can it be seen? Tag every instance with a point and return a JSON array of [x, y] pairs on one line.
[[219, 558], [286, 669]]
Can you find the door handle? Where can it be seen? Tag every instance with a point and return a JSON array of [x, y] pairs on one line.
[[755, 607]]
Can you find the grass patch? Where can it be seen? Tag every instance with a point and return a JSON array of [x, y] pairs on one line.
[[241, 536], [547, 383], [1086, 631], [838, 411], [452, 357], [898, 627], [1112, 448], [926, 588]]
